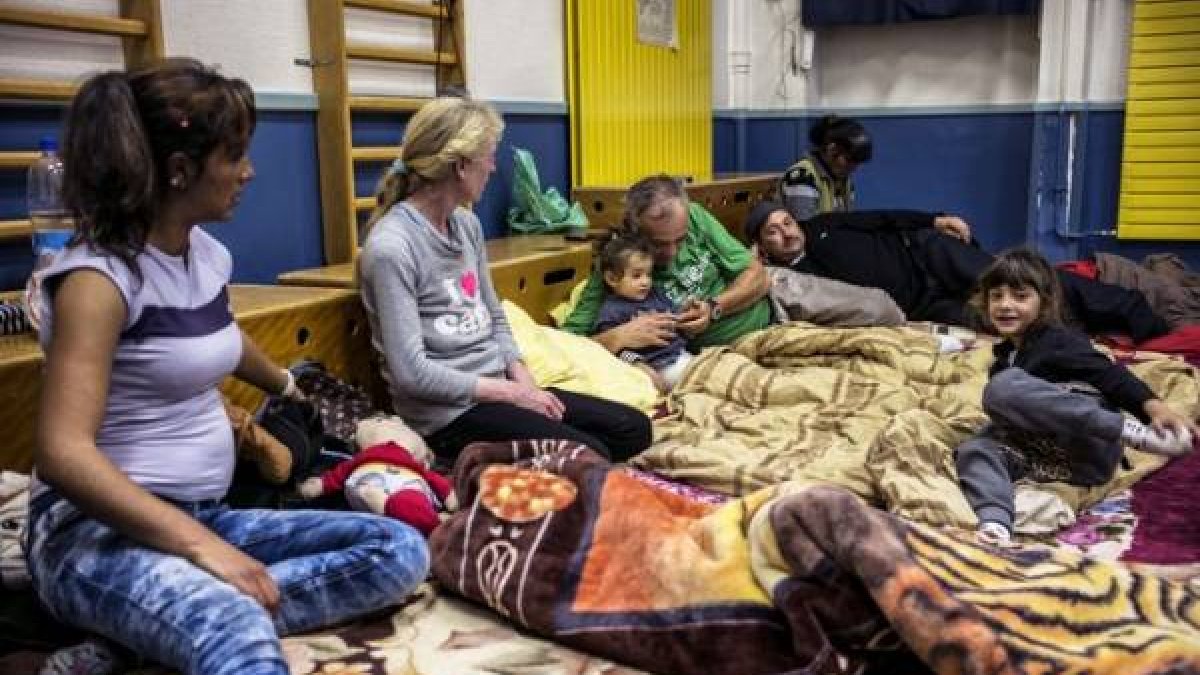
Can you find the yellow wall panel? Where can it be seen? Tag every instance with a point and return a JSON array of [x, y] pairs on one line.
[[1139, 139], [1176, 74], [638, 109], [1160, 162], [1152, 10], [1135, 154], [1157, 43], [1164, 122], [1181, 57], [1167, 26], [1160, 170], [1158, 185], [1162, 201]]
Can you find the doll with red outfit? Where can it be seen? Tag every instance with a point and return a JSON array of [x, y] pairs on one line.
[[389, 476]]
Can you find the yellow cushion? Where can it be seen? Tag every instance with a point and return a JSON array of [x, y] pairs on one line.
[[548, 364], [575, 363], [563, 309]]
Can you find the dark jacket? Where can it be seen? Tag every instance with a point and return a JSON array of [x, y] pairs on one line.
[[1063, 355], [868, 248]]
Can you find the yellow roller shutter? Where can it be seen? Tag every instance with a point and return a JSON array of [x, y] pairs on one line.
[[1160, 166], [638, 108]]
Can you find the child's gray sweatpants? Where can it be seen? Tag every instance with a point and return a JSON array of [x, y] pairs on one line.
[[1022, 406]]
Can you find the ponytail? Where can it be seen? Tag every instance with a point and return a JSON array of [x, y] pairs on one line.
[[122, 128], [109, 175]]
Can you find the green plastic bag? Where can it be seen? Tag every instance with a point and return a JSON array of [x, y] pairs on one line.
[[537, 212]]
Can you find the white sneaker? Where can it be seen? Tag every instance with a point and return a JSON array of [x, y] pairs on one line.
[[991, 532], [1148, 439]]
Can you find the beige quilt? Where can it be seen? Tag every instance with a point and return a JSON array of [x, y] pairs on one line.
[[875, 410]]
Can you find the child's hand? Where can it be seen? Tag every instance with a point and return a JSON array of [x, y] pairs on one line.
[[1164, 418]]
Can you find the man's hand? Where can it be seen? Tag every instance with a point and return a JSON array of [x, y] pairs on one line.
[[954, 226], [694, 317], [655, 329]]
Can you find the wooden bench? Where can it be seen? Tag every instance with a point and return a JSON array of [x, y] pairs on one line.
[[729, 199], [535, 271], [325, 324]]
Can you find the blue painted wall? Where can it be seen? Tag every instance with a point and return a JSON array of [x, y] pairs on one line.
[[1006, 172], [277, 226], [973, 165], [1100, 178]]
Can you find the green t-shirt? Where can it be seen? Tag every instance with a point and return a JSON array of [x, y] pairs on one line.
[[708, 261]]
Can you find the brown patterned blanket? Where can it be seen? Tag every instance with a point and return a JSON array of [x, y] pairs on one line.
[[796, 578]]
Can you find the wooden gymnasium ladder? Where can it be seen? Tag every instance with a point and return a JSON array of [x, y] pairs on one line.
[[331, 53], [140, 28]]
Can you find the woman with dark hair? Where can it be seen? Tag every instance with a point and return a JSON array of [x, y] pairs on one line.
[[127, 533], [821, 182]]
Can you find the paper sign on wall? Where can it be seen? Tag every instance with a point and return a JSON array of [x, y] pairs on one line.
[[656, 23]]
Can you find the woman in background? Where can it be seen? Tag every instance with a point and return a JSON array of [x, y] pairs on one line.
[[822, 181], [127, 533]]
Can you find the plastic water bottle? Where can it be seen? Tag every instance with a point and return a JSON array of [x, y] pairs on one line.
[[53, 225]]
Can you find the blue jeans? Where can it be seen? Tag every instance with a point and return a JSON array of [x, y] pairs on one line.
[[329, 566]]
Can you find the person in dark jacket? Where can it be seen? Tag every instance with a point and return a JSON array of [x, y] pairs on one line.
[[928, 273], [1054, 401]]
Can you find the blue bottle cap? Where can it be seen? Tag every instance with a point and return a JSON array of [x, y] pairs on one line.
[[48, 144]]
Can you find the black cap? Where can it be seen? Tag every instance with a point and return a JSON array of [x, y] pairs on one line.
[[758, 217]]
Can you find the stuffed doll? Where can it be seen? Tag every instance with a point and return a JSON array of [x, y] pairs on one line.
[[389, 476], [14, 516]]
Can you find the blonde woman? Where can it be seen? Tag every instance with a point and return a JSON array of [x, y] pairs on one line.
[[454, 371]]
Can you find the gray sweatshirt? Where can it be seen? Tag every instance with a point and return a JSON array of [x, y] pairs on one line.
[[434, 315]]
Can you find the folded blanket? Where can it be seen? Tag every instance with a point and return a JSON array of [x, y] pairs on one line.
[[791, 579]]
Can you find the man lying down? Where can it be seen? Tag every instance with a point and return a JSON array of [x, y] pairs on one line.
[[928, 273]]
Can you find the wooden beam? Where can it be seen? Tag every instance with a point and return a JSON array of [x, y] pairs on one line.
[[151, 47], [450, 36], [327, 42], [385, 153], [77, 23], [18, 159], [364, 203], [357, 50], [400, 7], [14, 230], [15, 87], [387, 103]]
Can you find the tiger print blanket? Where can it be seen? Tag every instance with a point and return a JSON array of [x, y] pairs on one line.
[[877, 411], [795, 578]]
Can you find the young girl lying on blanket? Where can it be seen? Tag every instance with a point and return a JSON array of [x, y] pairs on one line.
[[626, 262], [1052, 399]]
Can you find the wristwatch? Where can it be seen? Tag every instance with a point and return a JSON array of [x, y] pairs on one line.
[[714, 310]]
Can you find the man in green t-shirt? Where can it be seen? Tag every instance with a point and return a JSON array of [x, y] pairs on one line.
[[719, 285]]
